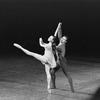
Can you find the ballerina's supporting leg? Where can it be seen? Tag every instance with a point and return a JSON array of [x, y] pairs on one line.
[[49, 80]]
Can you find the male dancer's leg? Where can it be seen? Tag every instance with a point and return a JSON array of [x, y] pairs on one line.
[[64, 69], [53, 76]]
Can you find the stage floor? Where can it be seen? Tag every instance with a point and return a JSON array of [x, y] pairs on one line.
[[24, 78]]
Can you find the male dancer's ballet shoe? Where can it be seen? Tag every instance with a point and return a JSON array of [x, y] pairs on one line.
[[72, 90], [53, 87]]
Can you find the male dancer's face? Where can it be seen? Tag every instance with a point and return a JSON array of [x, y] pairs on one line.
[[63, 40]]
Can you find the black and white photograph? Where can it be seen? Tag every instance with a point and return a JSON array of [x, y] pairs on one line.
[[49, 50]]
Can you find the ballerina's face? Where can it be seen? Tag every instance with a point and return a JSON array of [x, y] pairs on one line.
[[51, 39]]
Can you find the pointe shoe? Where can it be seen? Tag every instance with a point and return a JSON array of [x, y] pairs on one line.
[[17, 45], [49, 91]]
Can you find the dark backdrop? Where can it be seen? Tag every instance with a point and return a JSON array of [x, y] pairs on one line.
[[24, 21]]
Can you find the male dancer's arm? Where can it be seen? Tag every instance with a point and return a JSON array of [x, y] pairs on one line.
[[59, 33], [57, 30], [54, 43]]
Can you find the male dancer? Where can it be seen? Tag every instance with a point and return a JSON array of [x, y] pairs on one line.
[[59, 52]]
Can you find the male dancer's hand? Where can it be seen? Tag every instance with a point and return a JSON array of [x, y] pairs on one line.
[[59, 25]]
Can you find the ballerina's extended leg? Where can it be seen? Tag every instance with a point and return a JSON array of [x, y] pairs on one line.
[[35, 55]]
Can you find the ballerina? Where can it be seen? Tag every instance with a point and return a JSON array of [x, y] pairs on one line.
[[47, 59]]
